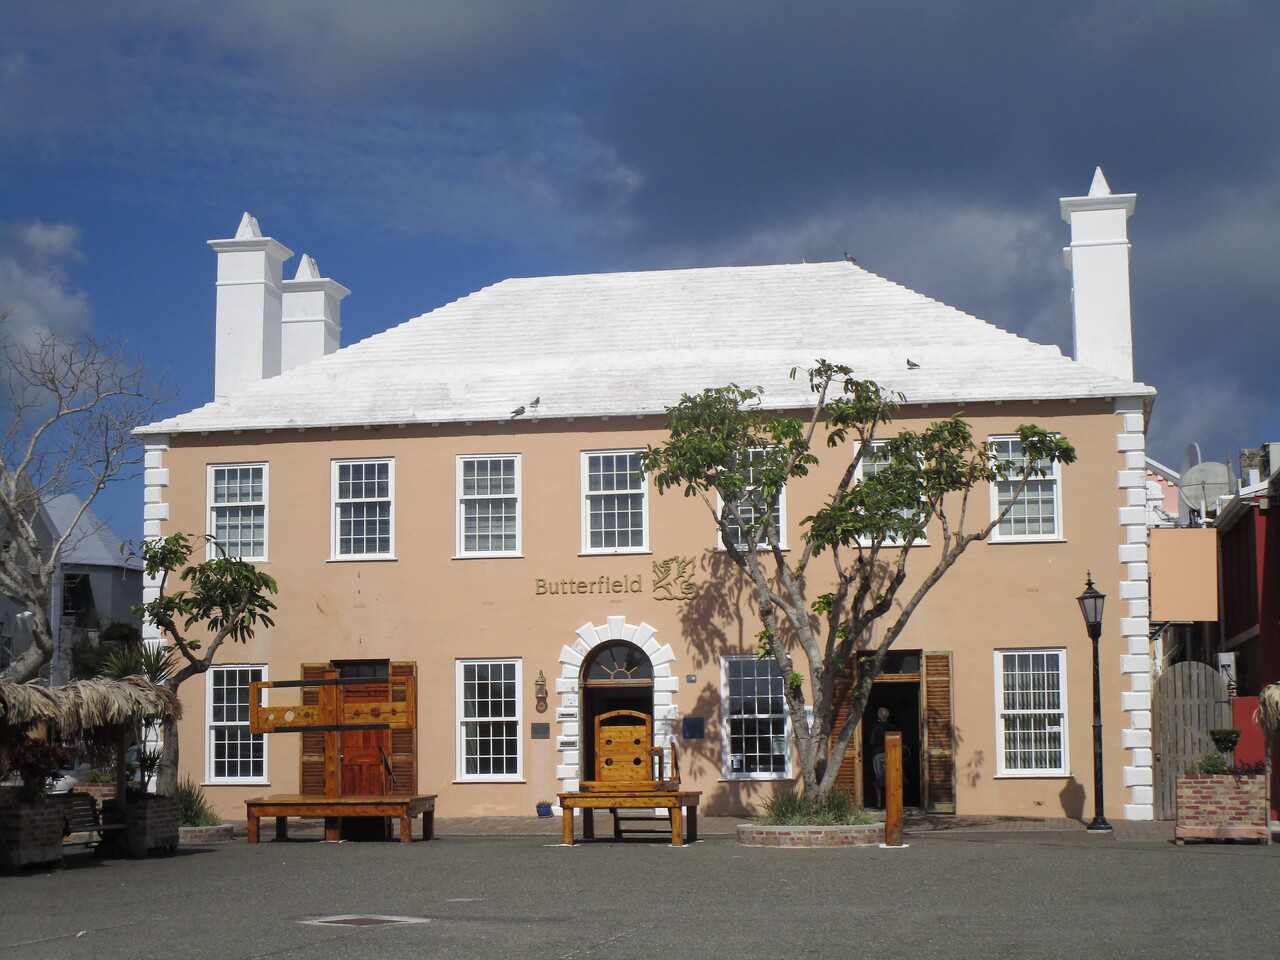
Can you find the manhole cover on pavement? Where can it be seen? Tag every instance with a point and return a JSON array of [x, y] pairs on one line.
[[361, 920]]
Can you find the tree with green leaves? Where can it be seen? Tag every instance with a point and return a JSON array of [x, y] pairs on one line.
[[726, 448], [222, 598]]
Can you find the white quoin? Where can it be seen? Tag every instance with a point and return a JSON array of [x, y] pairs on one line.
[[1098, 259], [312, 326], [249, 311]]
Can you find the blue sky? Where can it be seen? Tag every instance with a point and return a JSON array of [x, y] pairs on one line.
[[421, 150]]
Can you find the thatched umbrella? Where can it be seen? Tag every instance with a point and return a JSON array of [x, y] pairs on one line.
[[23, 705]]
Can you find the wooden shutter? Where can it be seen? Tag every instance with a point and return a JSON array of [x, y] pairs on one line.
[[311, 752], [404, 743], [939, 739], [850, 775]]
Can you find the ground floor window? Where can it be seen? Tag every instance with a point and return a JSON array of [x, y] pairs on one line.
[[754, 720], [1031, 699], [488, 719], [235, 754]]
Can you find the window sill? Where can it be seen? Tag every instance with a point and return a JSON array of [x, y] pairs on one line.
[[1030, 775], [488, 556], [236, 783], [1027, 540], [489, 780], [756, 778], [645, 552], [377, 558], [720, 548]]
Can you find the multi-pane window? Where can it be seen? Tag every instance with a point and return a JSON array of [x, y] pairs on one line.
[[755, 719], [488, 719], [1037, 513], [238, 510], [614, 503], [488, 505], [235, 754], [876, 460], [362, 502], [751, 509], [1031, 705]]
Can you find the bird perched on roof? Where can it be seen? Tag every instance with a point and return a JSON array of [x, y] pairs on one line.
[[535, 401], [912, 365], [518, 410], [849, 258]]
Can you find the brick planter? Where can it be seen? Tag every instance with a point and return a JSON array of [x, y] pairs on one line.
[[1221, 807], [100, 792], [849, 835], [153, 822], [30, 833]]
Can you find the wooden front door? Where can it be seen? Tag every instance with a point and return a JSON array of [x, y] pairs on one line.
[[365, 754]]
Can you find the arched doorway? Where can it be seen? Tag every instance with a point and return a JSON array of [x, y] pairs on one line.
[[616, 675]]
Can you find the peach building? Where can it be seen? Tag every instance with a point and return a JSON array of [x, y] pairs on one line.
[[457, 499]]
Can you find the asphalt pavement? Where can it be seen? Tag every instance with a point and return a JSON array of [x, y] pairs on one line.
[[955, 894]]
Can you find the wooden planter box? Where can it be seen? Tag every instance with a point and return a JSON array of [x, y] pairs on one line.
[[30, 833], [152, 820], [1221, 807]]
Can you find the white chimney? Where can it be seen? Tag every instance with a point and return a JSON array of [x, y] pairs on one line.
[[312, 325], [1098, 259], [247, 338]]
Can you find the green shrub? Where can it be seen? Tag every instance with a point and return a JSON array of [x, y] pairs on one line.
[[787, 808], [1225, 738], [1212, 763], [193, 807]]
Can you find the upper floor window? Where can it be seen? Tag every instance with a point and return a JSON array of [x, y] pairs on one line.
[[615, 503], [874, 461], [1037, 513], [751, 508], [488, 506], [1031, 705], [363, 501], [238, 510]]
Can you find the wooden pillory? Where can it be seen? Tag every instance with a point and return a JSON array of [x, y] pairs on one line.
[[365, 783], [630, 775]]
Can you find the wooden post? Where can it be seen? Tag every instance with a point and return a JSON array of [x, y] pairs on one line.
[[893, 789]]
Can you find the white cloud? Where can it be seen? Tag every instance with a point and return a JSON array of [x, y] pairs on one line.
[[34, 281]]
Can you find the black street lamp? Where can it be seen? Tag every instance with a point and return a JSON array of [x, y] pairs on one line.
[[1091, 602]]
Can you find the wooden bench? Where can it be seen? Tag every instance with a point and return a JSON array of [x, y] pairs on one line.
[[82, 823], [681, 807], [333, 809]]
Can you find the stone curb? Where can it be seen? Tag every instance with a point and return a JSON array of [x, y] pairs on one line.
[[222, 833], [846, 835]]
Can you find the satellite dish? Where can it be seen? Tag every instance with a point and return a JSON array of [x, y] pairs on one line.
[[1202, 484]]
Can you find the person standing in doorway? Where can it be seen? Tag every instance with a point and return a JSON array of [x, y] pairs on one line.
[[884, 724]]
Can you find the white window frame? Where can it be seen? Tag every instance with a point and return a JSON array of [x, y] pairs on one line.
[[920, 541], [212, 547], [462, 720], [781, 518], [1003, 768], [212, 726], [1053, 478], [335, 523], [588, 495], [726, 718], [464, 499]]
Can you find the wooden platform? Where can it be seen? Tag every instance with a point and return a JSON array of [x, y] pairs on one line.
[[682, 804], [285, 805]]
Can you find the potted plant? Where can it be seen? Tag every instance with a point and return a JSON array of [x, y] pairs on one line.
[[1221, 800], [544, 808], [31, 827]]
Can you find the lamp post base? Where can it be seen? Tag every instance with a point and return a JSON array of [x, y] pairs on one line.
[[1099, 825]]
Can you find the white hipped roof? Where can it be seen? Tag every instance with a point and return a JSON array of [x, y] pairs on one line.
[[627, 344]]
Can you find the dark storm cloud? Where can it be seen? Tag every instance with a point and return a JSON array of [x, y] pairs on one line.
[[930, 139]]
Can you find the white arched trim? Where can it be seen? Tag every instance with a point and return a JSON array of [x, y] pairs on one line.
[[568, 713]]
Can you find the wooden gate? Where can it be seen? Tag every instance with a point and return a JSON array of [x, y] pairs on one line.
[[1188, 700]]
